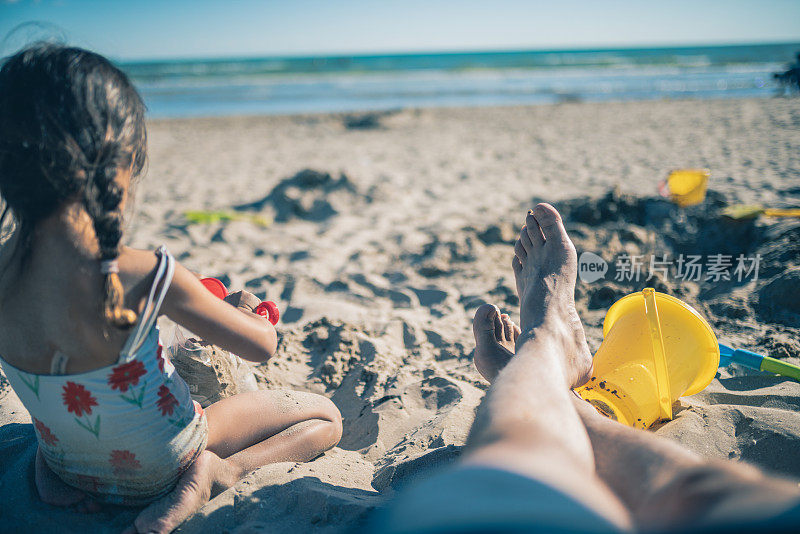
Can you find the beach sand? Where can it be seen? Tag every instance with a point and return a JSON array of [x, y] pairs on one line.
[[391, 231]]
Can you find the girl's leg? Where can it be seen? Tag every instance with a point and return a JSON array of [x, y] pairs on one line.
[[245, 432], [262, 427], [52, 490]]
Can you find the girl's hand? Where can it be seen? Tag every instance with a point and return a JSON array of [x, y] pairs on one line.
[[243, 300], [190, 304]]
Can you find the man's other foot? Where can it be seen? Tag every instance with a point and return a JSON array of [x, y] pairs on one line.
[[495, 339]]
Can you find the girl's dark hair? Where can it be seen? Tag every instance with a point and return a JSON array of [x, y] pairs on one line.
[[69, 122]]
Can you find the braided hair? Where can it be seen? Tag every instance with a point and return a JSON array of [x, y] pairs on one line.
[[70, 122]]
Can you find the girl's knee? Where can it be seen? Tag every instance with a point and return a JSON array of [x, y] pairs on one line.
[[331, 411], [331, 418], [320, 410], [318, 407], [334, 433]]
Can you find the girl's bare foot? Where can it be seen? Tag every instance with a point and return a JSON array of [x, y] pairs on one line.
[[545, 267], [208, 473], [52, 490]]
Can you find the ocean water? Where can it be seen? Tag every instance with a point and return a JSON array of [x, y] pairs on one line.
[[283, 85]]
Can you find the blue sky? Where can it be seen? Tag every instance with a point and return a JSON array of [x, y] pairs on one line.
[[135, 29]]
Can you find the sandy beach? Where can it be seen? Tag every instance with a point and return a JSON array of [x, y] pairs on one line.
[[391, 229]]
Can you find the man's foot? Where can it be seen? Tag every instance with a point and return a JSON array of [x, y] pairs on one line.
[[495, 339], [192, 491], [546, 267]]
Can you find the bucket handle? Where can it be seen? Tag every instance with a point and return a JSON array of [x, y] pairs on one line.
[[659, 355]]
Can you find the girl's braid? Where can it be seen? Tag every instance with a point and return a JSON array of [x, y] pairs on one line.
[[102, 199]]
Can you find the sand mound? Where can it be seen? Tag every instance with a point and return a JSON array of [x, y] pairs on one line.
[[779, 298], [370, 120], [309, 194]]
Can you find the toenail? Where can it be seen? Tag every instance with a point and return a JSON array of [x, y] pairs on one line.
[[541, 211]]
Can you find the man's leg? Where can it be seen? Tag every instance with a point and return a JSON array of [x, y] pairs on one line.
[[528, 424], [666, 486], [662, 484]]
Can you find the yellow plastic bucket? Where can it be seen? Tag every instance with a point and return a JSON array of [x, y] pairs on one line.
[[655, 349], [686, 187]]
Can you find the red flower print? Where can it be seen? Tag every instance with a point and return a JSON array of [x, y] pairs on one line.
[[78, 399], [126, 375], [124, 462], [166, 400], [162, 359], [87, 480], [47, 436]]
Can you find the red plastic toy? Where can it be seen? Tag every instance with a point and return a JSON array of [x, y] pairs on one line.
[[215, 286], [267, 309]]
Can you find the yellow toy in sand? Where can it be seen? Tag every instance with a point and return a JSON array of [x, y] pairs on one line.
[[753, 211], [655, 349], [686, 187]]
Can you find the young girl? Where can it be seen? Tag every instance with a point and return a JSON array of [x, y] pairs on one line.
[[78, 340]]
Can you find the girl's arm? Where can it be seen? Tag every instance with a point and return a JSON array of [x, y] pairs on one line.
[[190, 304]]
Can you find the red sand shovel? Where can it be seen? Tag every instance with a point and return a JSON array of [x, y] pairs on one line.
[[267, 309]]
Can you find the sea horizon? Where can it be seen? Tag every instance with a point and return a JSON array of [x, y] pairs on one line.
[[455, 51], [371, 82]]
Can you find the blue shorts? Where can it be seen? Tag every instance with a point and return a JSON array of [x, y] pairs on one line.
[[481, 499]]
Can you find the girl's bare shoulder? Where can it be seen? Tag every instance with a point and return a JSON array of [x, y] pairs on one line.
[[137, 270], [136, 262], [137, 273]]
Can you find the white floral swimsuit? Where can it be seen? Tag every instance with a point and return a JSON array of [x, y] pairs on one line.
[[123, 433]]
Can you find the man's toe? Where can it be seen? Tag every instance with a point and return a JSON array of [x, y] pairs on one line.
[[484, 325], [550, 222]]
